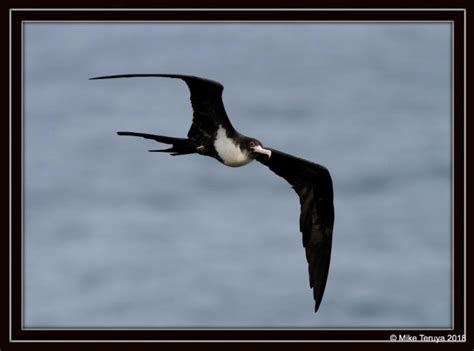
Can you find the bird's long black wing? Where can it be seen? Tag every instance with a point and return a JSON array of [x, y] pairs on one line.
[[206, 100], [313, 184]]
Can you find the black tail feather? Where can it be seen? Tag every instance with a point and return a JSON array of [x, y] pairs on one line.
[[180, 146], [162, 150], [175, 152]]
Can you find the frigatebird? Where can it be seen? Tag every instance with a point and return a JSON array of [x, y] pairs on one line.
[[212, 134]]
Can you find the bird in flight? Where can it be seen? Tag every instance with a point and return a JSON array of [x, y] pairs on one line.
[[211, 134]]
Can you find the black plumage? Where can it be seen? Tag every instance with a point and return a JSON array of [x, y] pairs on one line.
[[212, 134], [313, 184], [208, 114]]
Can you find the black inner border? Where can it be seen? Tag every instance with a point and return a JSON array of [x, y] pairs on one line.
[[270, 335]]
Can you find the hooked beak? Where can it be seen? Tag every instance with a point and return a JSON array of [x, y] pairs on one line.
[[260, 150]]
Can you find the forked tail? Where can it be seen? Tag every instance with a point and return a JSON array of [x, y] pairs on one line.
[[180, 146]]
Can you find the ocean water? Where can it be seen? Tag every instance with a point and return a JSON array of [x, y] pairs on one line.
[[115, 236]]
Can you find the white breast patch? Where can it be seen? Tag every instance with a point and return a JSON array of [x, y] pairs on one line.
[[229, 152]]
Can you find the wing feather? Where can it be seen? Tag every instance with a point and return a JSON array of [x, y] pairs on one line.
[[313, 184], [206, 100]]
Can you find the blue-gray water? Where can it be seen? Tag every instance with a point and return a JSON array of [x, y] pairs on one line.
[[116, 236]]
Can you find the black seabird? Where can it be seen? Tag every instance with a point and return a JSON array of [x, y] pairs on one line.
[[212, 134]]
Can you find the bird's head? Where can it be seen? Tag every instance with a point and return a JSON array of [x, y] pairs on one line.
[[257, 149]]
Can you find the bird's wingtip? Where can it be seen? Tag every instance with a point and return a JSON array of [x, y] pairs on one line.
[[316, 307], [109, 77]]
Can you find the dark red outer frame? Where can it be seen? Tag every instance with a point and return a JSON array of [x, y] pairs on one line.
[[61, 339]]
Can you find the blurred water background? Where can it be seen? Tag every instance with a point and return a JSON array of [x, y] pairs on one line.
[[119, 237]]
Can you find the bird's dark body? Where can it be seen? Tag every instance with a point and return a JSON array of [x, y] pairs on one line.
[[212, 134]]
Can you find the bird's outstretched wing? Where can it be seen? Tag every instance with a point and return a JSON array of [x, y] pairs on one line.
[[313, 184], [206, 100]]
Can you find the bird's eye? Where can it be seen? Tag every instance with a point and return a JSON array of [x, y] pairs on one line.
[[253, 144]]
